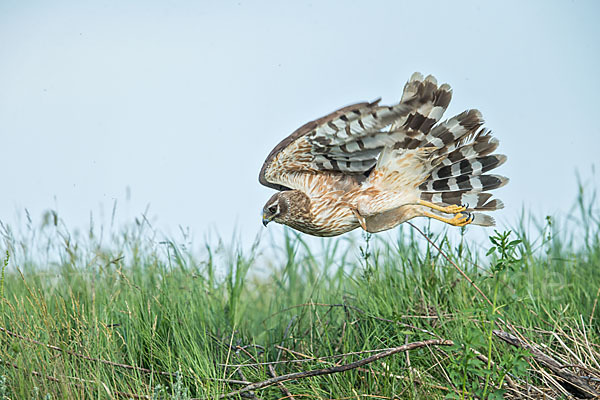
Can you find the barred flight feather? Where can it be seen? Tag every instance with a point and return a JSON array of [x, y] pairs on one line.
[[469, 166], [359, 134], [420, 122], [482, 145], [457, 129], [465, 182], [358, 123]]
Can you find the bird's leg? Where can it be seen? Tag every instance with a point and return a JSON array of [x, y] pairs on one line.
[[361, 219], [459, 219], [451, 209]]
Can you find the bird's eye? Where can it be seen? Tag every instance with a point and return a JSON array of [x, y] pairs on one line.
[[273, 209]]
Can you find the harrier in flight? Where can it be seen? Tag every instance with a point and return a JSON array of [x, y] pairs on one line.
[[374, 166]]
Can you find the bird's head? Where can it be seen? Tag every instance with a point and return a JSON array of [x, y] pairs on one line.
[[286, 207]]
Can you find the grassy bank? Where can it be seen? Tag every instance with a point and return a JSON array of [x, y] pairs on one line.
[[129, 316]]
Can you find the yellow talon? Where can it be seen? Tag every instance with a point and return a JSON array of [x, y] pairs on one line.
[[451, 209], [454, 209], [460, 219]]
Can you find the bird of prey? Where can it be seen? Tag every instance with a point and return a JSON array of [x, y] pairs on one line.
[[374, 166]]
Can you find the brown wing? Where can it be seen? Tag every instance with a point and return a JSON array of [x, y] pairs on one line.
[[347, 142]]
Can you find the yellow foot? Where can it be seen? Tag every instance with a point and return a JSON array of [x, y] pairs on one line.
[[460, 219], [452, 209]]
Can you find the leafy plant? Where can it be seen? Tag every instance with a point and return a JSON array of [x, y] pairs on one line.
[[474, 373], [505, 250]]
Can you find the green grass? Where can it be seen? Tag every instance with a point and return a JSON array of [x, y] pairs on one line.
[[187, 316]]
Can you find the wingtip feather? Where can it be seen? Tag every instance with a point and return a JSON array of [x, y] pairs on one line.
[[416, 77]]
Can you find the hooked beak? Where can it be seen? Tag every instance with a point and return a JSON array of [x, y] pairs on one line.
[[265, 220]]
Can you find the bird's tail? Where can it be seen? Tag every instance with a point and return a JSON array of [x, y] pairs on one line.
[[448, 159], [460, 163]]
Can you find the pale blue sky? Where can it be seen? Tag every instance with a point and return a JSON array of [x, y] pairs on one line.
[[181, 101]]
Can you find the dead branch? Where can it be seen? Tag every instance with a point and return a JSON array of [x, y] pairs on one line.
[[340, 368], [570, 381], [283, 389], [250, 394], [386, 374]]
